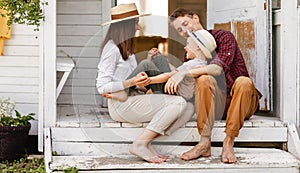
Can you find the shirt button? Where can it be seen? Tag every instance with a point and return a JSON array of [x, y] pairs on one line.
[[228, 53]]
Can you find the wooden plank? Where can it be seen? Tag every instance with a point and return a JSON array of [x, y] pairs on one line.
[[48, 148], [79, 99], [18, 61], [19, 89], [181, 135], [76, 7], [80, 82], [19, 80], [91, 52], [83, 41], [84, 74], [26, 108], [78, 90], [27, 98], [77, 19], [21, 50], [78, 30], [248, 160], [23, 40], [20, 29], [19, 72], [186, 170], [86, 62]]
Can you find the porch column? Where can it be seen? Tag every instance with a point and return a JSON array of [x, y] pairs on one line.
[[289, 90]]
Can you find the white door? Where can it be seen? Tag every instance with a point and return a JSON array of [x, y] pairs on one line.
[[250, 22]]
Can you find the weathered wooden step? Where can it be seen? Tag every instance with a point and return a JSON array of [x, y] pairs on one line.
[[250, 160]]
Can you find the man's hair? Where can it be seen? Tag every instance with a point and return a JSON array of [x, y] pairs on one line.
[[180, 12]]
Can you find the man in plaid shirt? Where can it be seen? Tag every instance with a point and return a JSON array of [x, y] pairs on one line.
[[223, 89]]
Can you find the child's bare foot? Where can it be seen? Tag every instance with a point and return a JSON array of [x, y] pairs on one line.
[[153, 53], [228, 155], [201, 149], [151, 148], [120, 95], [141, 150]]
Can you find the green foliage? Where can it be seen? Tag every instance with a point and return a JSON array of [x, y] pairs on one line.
[[19, 120], [23, 11], [23, 166], [6, 118], [71, 170]]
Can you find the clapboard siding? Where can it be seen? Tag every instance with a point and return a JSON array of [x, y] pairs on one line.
[[79, 35], [19, 70], [19, 61], [78, 30]]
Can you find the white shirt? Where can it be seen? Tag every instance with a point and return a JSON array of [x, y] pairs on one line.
[[186, 87], [112, 69]]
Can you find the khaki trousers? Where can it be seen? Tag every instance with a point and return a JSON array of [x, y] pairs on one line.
[[211, 103], [165, 113]]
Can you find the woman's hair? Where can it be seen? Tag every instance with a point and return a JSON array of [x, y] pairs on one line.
[[180, 12], [122, 34]]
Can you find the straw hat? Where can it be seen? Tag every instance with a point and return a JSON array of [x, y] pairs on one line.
[[124, 12], [205, 41]]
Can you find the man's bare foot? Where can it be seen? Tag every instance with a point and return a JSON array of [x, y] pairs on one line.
[[228, 155], [150, 147], [201, 149], [141, 150]]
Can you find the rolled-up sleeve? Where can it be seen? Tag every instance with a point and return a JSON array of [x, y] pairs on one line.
[[106, 68]]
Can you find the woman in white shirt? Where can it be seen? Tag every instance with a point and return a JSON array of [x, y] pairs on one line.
[[166, 113]]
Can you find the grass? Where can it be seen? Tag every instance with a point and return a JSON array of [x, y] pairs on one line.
[[23, 165]]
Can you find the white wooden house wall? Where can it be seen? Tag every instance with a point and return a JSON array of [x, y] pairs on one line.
[[19, 70], [79, 35]]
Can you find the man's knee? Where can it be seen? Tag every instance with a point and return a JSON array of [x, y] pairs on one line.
[[243, 83]]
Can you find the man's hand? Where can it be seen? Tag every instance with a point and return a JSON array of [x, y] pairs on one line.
[[172, 83]]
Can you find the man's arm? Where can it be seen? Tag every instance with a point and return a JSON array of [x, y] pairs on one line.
[[211, 69], [172, 83]]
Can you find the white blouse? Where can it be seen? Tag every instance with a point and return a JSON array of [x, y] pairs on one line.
[[112, 69]]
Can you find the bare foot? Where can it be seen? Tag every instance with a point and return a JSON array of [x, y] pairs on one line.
[[201, 149], [150, 147], [141, 150], [228, 155]]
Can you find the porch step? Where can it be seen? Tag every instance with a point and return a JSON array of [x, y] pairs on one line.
[[250, 160]]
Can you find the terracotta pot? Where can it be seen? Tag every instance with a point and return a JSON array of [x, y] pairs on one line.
[[13, 141]]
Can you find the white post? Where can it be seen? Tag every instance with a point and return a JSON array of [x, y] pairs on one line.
[[288, 66], [48, 112], [47, 101]]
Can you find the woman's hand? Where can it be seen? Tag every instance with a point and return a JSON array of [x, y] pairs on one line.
[[141, 79]]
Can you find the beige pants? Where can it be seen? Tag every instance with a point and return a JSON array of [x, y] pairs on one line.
[[211, 103], [166, 113]]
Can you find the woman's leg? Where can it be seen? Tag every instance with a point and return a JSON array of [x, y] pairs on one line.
[[161, 110], [142, 148], [183, 119]]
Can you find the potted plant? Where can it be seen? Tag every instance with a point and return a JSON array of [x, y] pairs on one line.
[[14, 130], [23, 11]]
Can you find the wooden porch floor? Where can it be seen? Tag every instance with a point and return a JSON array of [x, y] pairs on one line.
[[89, 116], [86, 138]]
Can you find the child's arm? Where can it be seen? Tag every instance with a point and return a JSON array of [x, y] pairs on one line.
[[120, 95], [162, 77]]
